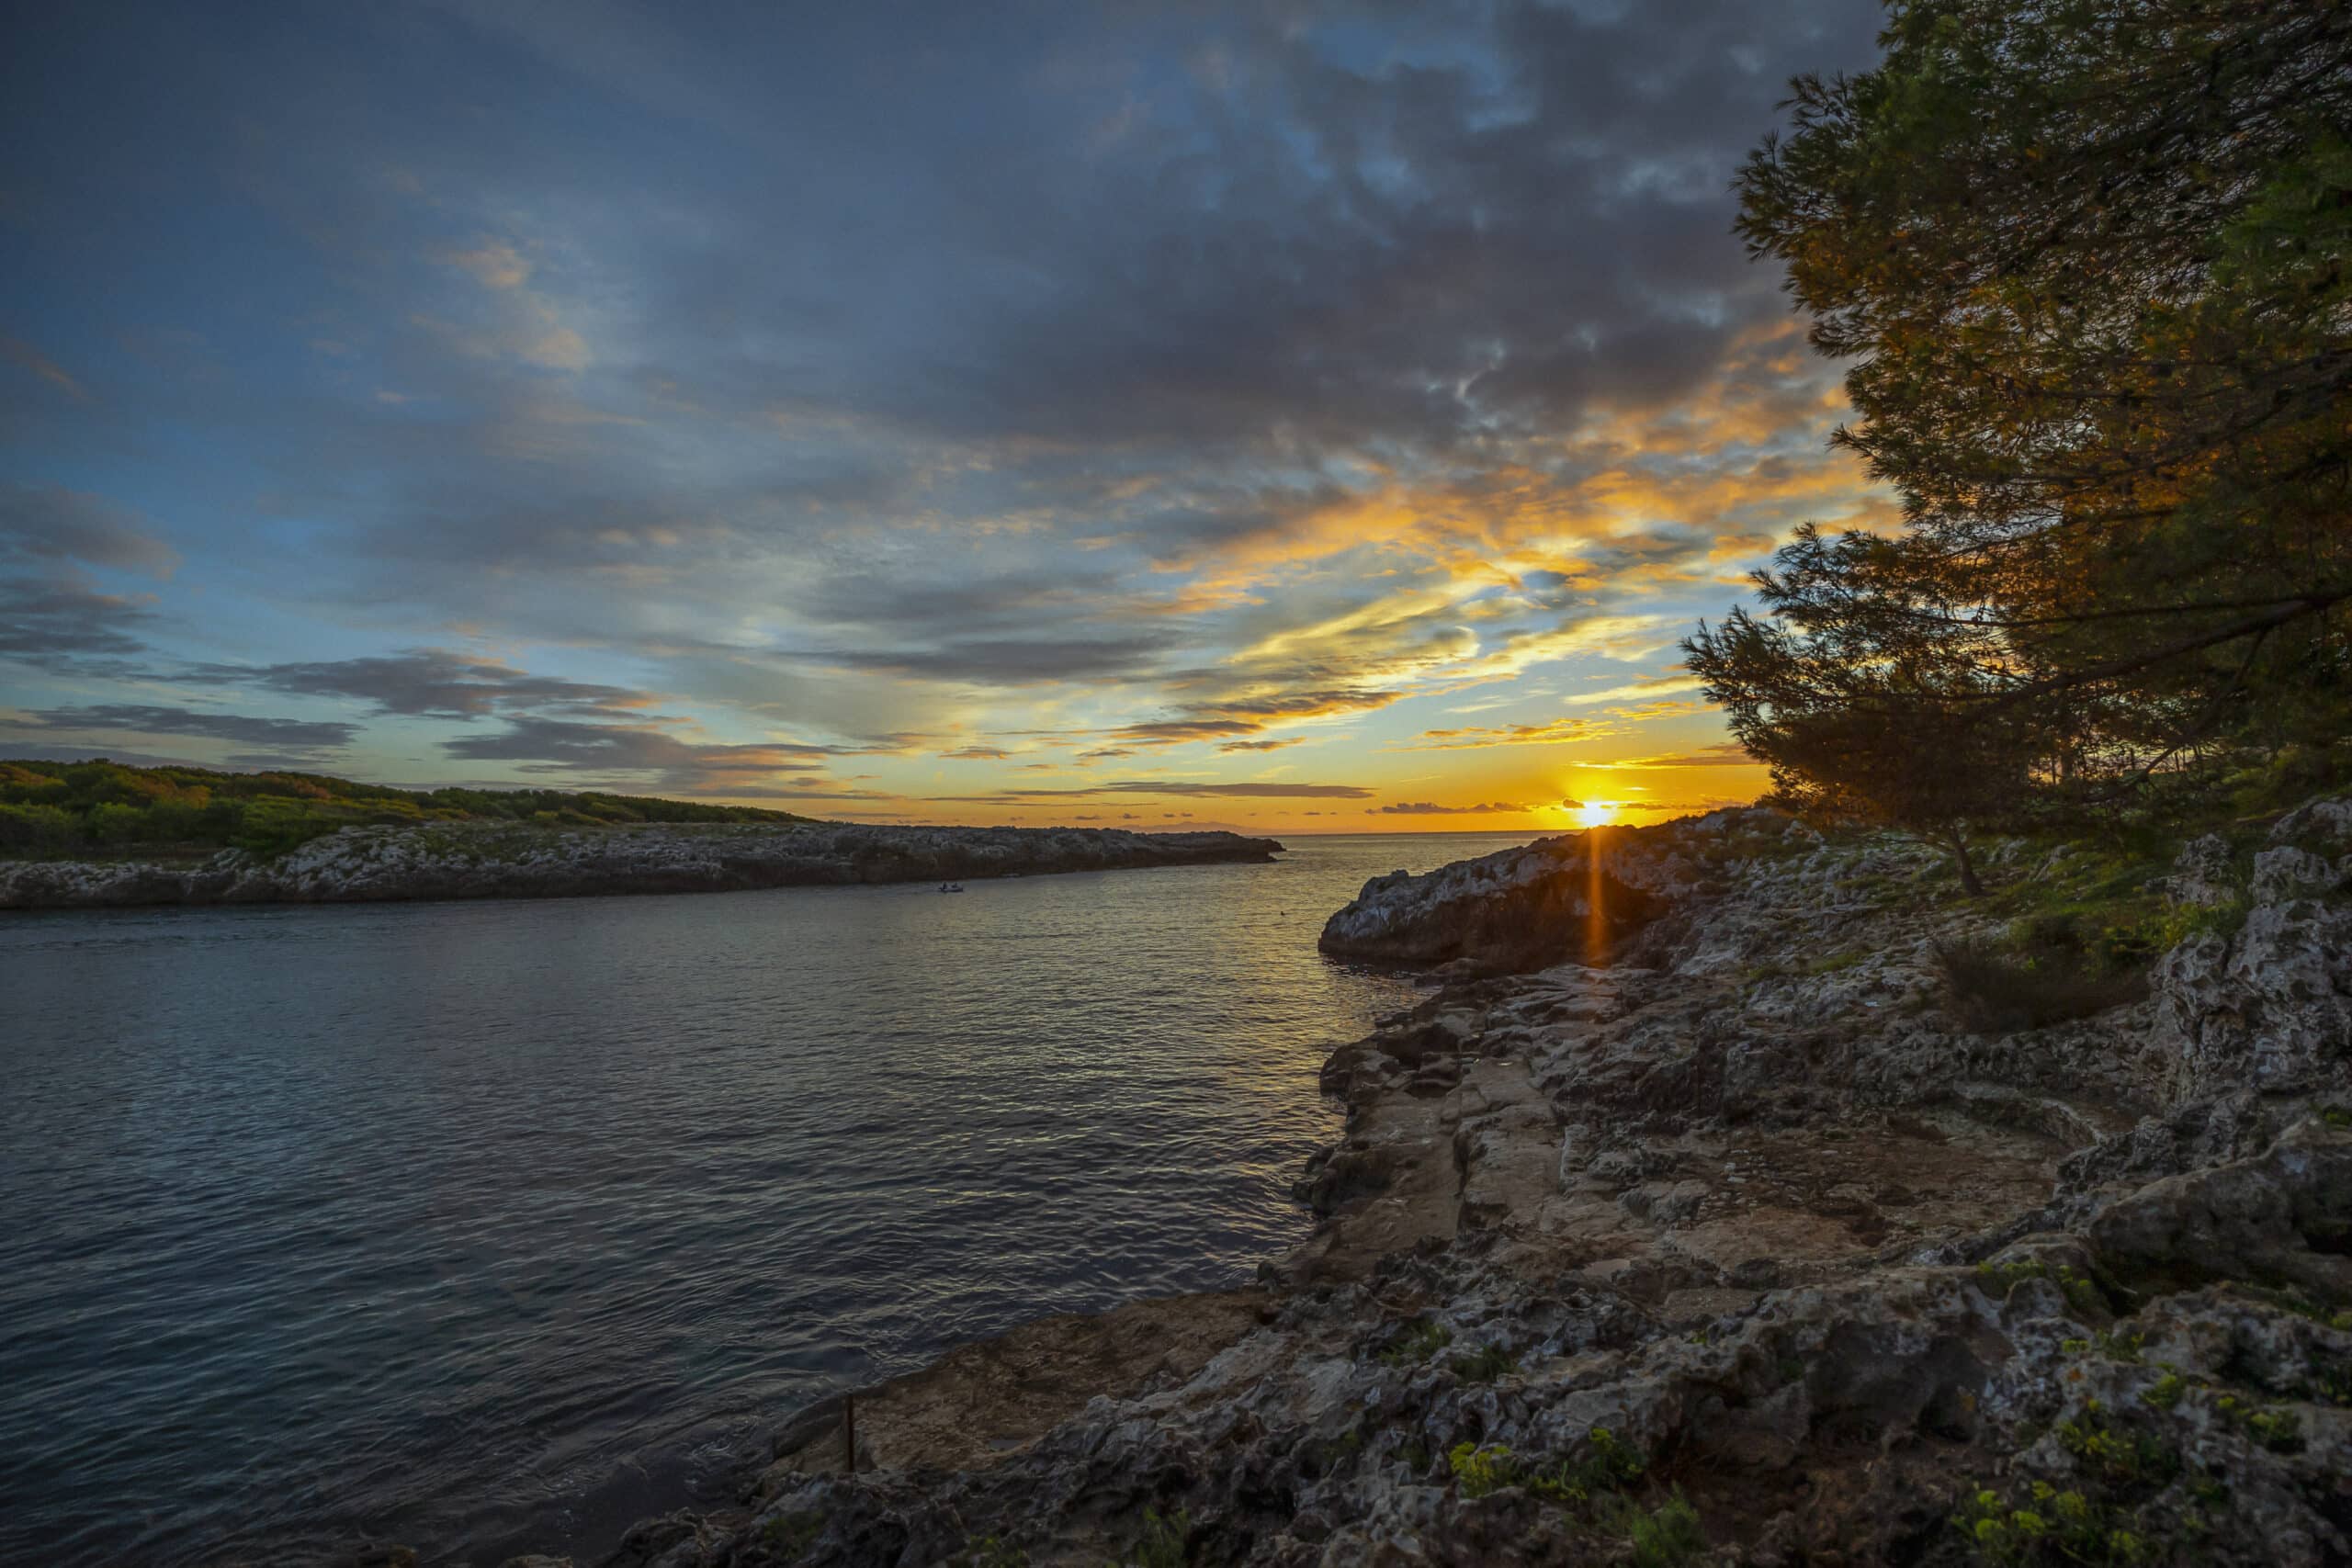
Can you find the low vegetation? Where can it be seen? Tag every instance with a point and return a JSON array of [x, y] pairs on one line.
[[1993, 992], [1596, 1488], [1162, 1543], [102, 807]]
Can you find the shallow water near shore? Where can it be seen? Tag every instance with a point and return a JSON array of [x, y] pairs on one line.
[[492, 1228]]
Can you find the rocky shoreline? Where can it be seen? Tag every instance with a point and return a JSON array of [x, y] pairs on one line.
[[1735, 1248], [506, 860]]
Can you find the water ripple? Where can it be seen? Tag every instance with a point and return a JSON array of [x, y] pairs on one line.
[[493, 1227]]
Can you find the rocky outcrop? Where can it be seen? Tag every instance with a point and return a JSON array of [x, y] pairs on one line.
[[1572, 898], [2267, 1008], [1736, 1250], [362, 864]]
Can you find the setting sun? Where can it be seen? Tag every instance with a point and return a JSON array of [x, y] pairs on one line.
[[1596, 813]]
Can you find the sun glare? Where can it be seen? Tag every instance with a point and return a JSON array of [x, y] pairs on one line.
[[1597, 813]]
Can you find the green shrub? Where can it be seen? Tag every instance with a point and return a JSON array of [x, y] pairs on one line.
[[1667, 1536], [1416, 1343], [2117, 1453], [2045, 1525], [1163, 1543], [1485, 1364], [1481, 1472], [1991, 992], [789, 1535]]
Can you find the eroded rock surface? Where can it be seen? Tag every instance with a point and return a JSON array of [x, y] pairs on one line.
[[1575, 897], [498, 861], [1738, 1250]]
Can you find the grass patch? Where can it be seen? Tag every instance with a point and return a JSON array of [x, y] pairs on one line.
[[789, 1535], [1161, 1544], [1595, 1487], [1991, 991], [1416, 1342], [2082, 1293], [1667, 1536], [1485, 1364]]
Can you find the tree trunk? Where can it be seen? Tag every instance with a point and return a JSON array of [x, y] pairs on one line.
[[1968, 883]]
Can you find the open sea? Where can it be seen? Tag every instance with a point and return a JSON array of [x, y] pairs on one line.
[[487, 1227]]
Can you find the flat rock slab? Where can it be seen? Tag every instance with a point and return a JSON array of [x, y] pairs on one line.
[[982, 1402]]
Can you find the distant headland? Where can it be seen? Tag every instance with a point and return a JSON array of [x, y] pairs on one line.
[[101, 834]]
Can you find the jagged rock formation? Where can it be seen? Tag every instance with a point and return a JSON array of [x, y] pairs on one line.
[[1737, 1251], [1572, 899], [499, 861]]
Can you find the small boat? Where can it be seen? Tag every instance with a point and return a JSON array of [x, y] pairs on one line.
[[951, 887]]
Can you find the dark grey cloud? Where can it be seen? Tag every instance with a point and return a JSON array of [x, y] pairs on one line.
[[652, 752], [53, 615], [428, 681], [51, 523], [1227, 719], [1008, 660], [58, 624], [570, 743], [291, 736]]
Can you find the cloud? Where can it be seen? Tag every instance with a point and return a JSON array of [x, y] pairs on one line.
[[429, 683], [1245, 715], [1406, 352], [543, 744], [1008, 660], [17, 351], [1430, 808], [292, 741], [493, 263], [1181, 789], [1725, 754], [977, 753], [1656, 686], [51, 523], [1550, 733], [56, 624]]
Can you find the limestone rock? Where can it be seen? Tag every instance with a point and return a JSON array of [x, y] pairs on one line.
[[2269, 1008], [1571, 898], [2201, 874]]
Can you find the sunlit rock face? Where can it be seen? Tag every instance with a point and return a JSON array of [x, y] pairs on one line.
[[1572, 898]]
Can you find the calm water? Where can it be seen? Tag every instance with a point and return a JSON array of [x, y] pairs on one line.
[[489, 1226]]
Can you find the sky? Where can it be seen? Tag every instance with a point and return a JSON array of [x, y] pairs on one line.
[[1281, 416]]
